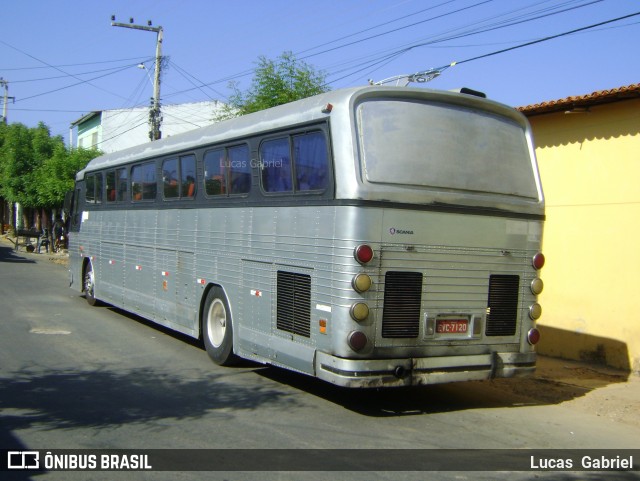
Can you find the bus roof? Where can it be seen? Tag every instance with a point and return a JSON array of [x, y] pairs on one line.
[[293, 113]]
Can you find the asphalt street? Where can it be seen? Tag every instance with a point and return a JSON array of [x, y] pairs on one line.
[[74, 376]]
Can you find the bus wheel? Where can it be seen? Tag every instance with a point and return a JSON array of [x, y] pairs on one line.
[[89, 285], [217, 329]]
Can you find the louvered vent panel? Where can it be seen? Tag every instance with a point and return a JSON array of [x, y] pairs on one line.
[[502, 313], [402, 301], [294, 303]]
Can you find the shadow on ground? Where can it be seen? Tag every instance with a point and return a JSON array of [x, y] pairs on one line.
[[555, 382], [104, 398], [9, 254]]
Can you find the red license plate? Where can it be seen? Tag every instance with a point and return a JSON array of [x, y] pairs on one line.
[[452, 326]]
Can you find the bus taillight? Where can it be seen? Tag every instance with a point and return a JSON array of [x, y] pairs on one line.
[[536, 286], [538, 261], [359, 311], [533, 336], [357, 340], [363, 253], [361, 282], [535, 311]]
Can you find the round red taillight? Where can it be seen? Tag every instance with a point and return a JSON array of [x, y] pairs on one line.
[[357, 340], [538, 261], [363, 253], [533, 336]]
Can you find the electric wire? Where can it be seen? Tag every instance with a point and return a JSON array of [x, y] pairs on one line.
[[60, 70], [75, 75], [478, 30], [551, 37], [138, 59]]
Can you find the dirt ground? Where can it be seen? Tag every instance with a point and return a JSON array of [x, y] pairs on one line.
[[591, 388]]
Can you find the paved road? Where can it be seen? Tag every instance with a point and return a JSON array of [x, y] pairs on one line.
[[79, 377]]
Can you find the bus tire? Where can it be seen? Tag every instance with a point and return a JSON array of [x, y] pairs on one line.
[[89, 285], [217, 328]]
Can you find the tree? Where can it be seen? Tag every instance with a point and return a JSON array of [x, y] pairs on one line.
[[276, 82], [36, 169], [56, 175]]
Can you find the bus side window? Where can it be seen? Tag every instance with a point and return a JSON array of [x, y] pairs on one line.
[[275, 161], [121, 178], [215, 181], [170, 178], [188, 175], [311, 161], [239, 169], [111, 186], [90, 189], [143, 182], [98, 194]]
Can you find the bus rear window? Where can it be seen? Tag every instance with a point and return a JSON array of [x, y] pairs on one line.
[[442, 146]]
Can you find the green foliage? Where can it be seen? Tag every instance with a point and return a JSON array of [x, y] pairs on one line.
[[36, 169], [276, 82], [57, 174], [19, 160]]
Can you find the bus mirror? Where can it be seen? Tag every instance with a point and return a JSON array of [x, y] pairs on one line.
[[68, 203]]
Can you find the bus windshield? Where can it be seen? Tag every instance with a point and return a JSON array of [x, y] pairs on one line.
[[444, 147]]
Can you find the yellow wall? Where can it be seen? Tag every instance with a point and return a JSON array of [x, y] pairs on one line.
[[590, 169]]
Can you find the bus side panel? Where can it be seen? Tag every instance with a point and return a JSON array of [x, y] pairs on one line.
[[140, 275], [255, 309], [111, 268]]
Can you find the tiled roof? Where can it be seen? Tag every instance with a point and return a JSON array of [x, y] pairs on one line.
[[583, 101]]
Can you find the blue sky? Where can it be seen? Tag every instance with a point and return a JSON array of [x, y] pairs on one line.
[[63, 59]]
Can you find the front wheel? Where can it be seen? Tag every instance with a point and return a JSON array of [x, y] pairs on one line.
[[217, 328], [90, 285]]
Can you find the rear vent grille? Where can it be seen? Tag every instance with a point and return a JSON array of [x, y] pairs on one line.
[[502, 312], [294, 303], [402, 300]]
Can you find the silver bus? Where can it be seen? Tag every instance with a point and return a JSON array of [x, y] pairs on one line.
[[372, 236]]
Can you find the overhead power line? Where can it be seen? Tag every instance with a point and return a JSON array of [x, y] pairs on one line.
[[395, 29], [88, 81], [542, 13], [551, 37], [59, 70], [110, 69], [544, 39], [137, 59]]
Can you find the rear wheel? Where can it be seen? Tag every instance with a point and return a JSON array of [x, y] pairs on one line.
[[217, 328], [90, 285]]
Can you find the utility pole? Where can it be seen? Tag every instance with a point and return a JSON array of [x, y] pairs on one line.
[[155, 118], [5, 84]]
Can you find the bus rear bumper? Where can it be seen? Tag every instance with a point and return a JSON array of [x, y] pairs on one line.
[[421, 371]]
